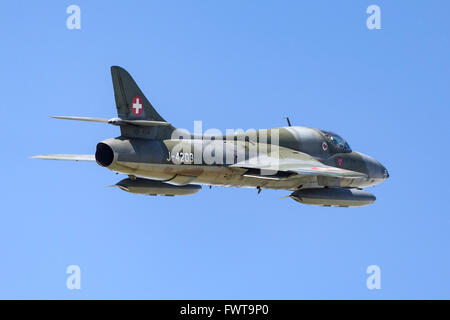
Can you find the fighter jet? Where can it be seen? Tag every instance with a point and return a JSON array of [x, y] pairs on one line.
[[317, 166]]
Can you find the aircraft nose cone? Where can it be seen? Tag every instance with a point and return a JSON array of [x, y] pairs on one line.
[[386, 173], [375, 168]]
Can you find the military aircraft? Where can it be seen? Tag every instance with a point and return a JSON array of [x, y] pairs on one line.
[[318, 166]]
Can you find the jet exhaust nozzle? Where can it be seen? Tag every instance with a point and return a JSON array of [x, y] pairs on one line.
[[118, 153], [104, 155]]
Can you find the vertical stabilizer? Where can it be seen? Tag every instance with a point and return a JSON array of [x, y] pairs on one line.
[[132, 104]]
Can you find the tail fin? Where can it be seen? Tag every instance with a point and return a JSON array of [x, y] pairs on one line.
[[132, 104]]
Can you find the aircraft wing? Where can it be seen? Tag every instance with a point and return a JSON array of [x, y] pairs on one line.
[[70, 157], [296, 162], [328, 171]]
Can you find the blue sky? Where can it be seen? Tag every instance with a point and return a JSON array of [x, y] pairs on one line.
[[231, 64]]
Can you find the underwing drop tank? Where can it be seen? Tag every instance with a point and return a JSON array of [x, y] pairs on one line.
[[339, 197], [154, 187]]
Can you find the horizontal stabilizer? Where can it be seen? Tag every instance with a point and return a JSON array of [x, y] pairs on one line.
[[117, 121], [144, 123], [82, 119], [69, 157]]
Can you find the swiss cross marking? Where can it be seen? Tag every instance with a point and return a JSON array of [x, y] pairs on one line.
[[136, 106]]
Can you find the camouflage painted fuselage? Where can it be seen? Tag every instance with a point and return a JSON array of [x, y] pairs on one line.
[[163, 160], [319, 166]]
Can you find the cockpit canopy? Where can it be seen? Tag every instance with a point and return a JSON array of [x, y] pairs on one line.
[[337, 142]]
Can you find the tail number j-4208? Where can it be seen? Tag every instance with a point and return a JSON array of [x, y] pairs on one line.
[[180, 157]]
